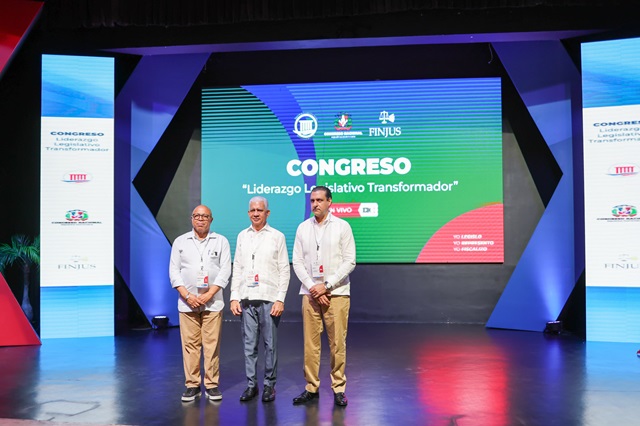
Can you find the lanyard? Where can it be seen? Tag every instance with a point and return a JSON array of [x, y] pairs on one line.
[[201, 252], [322, 229], [256, 235]]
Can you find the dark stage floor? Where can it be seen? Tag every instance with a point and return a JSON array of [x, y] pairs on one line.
[[397, 374]]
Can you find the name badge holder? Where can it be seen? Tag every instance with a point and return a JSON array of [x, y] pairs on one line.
[[202, 281], [317, 270], [253, 280]]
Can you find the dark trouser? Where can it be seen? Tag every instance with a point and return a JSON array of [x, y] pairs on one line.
[[258, 324]]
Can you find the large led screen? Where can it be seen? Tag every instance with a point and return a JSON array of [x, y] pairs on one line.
[[415, 166], [611, 120], [77, 211]]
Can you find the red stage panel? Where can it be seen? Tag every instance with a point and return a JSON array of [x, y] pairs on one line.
[[15, 329], [16, 17]]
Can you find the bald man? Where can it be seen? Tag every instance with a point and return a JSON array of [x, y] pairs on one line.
[[199, 270]]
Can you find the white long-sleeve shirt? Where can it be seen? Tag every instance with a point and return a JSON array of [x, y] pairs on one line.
[[331, 243], [190, 255], [263, 253]]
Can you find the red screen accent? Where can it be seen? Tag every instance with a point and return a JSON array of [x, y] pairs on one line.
[[15, 19], [464, 383], [15, 330], [476, 236]]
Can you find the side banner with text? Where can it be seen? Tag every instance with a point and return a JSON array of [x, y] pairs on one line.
[[77, 225]]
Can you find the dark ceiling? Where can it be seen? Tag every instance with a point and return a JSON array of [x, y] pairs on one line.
[[118, 23]]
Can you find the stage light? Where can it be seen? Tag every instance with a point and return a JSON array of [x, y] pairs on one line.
[[553, 327], [160, 321]]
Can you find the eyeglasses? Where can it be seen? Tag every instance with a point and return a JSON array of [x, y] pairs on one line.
[[201, 216]]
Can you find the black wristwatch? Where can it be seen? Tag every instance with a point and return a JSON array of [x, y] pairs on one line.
[[327, 286]]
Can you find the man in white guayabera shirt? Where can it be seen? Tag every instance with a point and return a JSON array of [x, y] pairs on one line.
[[324, 254], [199, 269], [258, 289]]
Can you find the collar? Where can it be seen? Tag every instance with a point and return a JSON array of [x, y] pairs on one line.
[[195, 237], [266, 227], [326, 219]]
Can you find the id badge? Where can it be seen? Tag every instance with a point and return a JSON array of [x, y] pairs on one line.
[[253, 280], [202, 280], [317, 270]]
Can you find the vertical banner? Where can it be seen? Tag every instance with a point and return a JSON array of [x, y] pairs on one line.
[[611, 120], [77, 192]]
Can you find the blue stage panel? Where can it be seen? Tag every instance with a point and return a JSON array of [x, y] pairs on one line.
[[613, 314], [79, 311]]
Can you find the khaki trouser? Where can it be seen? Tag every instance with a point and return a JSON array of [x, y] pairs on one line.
[[200, 332], [335, 318]]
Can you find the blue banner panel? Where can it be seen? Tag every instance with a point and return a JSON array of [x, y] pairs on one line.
[[77, 86], [78, 311], [613, 314]]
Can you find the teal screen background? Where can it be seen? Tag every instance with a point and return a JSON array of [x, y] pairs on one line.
[[450, 130]]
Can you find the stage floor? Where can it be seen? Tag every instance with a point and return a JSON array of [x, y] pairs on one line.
[[397, 374]]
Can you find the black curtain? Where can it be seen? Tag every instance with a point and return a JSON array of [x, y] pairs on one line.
[[71, 14]]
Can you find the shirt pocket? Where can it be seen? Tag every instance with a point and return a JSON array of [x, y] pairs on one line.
[[213, 262]]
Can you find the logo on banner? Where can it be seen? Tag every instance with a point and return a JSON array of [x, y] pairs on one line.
[[623, 170], [622, 213], [76, 215], [305, 125], [624, 210], [343, 125], [385, 116], [343, 122], [76, 177], [624, 262], [385, 131], [77, 263]]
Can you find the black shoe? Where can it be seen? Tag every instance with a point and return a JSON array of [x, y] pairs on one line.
[[249, 394], [214, 394], [191, 394], [340, 399], [268, 394], [305, 397]]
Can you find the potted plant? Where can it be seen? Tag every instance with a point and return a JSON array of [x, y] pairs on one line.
[[26, 254]]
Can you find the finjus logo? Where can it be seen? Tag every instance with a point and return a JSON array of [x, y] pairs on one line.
[[76, 177], [77, 263], [385, 131], [624, 169], [385, 117], [627, 258], [305, 125], [624, 210], [76, 215], [624, 262]]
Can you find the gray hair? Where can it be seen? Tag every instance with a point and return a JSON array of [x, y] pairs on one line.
[[259, 199]]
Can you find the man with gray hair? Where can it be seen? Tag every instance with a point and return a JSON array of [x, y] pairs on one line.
[[258, 289]]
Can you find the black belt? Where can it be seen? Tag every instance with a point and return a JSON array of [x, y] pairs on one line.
[[247, 302]]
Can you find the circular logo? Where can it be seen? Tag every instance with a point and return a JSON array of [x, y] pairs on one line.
[[624, 210], [305, 125]]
